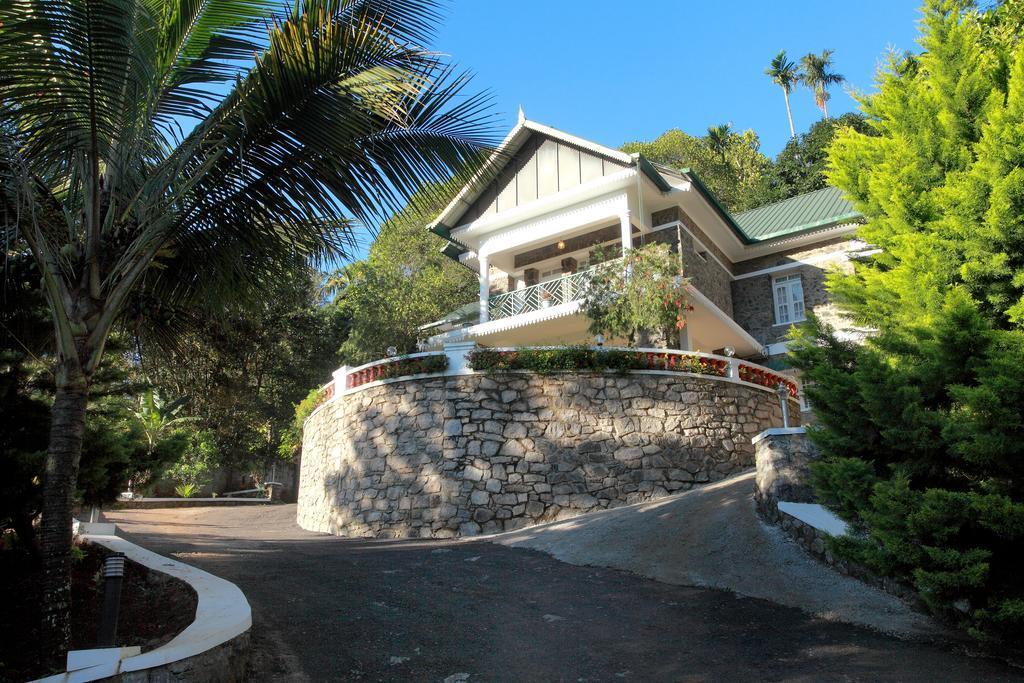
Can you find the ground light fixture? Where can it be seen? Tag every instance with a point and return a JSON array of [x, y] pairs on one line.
[[391, 351], [113, 576], [599, 339]]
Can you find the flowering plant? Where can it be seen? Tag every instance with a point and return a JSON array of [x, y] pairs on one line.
[[643, 291]]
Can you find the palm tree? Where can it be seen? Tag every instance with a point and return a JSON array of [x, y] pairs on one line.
[[718, 138], [307, 116], [785, 75], [818, 77]]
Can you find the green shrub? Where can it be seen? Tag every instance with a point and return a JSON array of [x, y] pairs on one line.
[[186, 490], [582, 358]]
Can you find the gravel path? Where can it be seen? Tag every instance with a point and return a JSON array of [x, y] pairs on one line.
[[331, 609]]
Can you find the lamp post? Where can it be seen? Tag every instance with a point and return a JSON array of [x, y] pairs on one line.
[[783, 393]]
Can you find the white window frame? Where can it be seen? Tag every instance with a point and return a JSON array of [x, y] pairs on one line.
[[789, 308]]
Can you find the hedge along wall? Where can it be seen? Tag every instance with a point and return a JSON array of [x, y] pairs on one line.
[[461, 455]]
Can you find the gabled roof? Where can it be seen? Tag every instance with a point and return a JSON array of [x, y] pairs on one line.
[[811, 211], [523, 129]]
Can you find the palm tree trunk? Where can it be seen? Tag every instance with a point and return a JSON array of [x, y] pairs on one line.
[[789, 113], [67, 426], [824, 108]]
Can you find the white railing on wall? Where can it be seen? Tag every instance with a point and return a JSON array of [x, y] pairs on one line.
[[535, 297], [455, 359]]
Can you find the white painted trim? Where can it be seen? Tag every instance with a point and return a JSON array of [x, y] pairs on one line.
[[777, 431], [776, 348], [607, 207], [786, 282], [513, 322], [813, 514], [222, 614], [842, 254], [587, 194]]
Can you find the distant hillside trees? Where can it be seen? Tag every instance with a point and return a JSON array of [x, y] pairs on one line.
[[729, 163]]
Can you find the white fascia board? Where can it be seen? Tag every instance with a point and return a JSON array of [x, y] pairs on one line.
[[503, 153], [773, 246], [553, 225], [523, 319], [596, 188], [568, 138], [839, 255]]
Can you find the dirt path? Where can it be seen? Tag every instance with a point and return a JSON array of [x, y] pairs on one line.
[[712, 537], [329, 609]]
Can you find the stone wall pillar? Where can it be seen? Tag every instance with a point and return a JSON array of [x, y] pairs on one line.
[[783, 457]]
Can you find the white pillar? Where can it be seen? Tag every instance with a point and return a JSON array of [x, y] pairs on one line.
[[458, 360], [684, 339], [340, 379], [627, 231], [485, 287]]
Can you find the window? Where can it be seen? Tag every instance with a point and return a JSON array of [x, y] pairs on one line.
[[789, 299]]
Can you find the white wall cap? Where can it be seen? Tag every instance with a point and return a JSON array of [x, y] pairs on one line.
[[222, 613], [84, 659], [816, 516], [777, 431]]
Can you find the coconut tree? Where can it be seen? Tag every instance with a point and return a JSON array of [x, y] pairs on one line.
[[718, 139], [157, 152], [784, 74], [818, 76]]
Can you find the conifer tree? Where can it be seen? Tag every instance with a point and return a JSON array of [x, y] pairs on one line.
[[921, 427]]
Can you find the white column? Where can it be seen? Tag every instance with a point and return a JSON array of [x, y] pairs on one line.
[[485, 287], [340, 380], [627, 231], [684, 339]]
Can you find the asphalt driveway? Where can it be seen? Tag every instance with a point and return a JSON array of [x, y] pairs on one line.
[[332, 609]]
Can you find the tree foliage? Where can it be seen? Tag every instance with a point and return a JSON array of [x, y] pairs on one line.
[[245, 369], [306, 116], [729, 163], [643, 292], [922, 428], [802, 164], [404, 282]]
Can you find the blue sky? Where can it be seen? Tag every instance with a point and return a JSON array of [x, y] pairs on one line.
[[613, 71]]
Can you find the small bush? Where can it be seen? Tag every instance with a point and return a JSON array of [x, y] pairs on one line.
[[186, 490], [582, 358]]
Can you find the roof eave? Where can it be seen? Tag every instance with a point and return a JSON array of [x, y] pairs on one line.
[[717, 205]]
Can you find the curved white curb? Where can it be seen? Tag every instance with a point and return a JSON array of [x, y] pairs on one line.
[[222, 614]]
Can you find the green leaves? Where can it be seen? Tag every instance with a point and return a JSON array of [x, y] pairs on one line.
[[920, 428], [643, 292]]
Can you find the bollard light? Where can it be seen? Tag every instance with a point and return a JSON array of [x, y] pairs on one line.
[[599, 339], [113, 575], [392, 351]]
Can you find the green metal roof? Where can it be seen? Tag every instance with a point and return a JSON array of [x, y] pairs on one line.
[[805, 212]]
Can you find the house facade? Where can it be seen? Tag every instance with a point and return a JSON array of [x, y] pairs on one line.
[[547, 203]]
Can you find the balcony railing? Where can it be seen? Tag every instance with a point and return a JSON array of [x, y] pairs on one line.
[[535, 297]]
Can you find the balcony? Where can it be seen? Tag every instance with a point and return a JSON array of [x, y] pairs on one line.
[[563, 290]]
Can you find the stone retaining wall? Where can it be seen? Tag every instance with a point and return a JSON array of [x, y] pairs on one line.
[[461, 455], [783, 474]]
